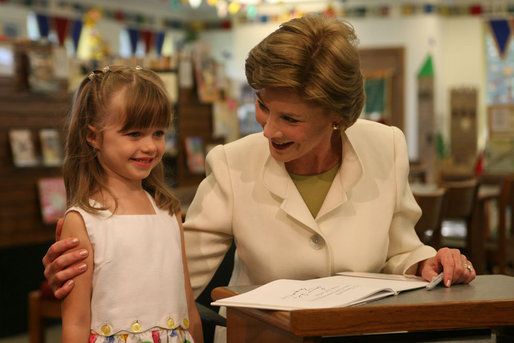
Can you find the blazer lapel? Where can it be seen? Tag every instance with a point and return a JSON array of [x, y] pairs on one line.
[[277, 180], [347, 176]]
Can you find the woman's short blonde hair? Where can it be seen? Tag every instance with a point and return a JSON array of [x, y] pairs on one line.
[[316, 57]]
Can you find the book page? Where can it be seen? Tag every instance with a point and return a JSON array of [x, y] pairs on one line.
[[334, 291], [398, 283]]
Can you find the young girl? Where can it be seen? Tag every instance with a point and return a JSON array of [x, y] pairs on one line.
[[136, 288]]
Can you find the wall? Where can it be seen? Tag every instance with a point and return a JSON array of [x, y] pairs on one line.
[[456, 45]]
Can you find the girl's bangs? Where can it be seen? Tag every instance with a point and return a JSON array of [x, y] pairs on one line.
[[146, 106]]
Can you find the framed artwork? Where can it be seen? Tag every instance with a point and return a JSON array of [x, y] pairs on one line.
[[22, 148], [51, 148], [52, 198]]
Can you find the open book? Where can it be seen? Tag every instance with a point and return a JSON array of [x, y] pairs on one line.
[[334, 291]]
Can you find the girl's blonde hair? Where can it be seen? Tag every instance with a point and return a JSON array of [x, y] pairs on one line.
[[146, 104], [316, 57]]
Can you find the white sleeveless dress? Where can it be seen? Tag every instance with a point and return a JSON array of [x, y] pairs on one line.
[[138, 288]]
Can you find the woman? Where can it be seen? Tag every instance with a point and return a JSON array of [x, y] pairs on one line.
[[317, 193]]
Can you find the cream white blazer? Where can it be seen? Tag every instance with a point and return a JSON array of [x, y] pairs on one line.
[[366, 222]]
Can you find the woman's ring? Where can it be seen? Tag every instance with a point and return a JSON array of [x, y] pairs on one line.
[[468, 267]]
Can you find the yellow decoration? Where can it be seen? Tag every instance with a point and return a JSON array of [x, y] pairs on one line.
[[234, 7], [135, 327], [106, 330], [212, 2], [171, 323], [186, 323]]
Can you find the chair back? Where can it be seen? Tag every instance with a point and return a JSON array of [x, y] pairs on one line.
[[428, 226], [460, 200], [459, 205]]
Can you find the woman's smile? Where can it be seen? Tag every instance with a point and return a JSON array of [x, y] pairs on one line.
[[281, 146]]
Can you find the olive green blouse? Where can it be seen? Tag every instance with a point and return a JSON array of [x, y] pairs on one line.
[[314, 188]]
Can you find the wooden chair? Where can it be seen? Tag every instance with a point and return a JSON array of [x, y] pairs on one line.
[[42, 307], [428, 226], [459, 207]]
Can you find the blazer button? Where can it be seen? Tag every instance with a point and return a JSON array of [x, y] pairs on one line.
[[317, 241]]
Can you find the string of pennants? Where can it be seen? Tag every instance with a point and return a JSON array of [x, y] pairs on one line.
[[501, 28], [250, 12], [65, 26]]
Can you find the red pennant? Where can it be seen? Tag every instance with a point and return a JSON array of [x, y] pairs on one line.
[[147, 39], [119, 15], [475, 10], [61, 27]]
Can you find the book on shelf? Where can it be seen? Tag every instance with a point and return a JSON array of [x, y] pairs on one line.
[[51, 147], [52, 198], [22, 148], [195, 154], [345, 289]]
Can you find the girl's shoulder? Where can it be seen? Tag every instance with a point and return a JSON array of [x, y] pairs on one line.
[[73, 225]]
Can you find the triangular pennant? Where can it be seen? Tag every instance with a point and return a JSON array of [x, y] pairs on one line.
[[76, 30], [42, 23], [159, 41], [147, 39], [61, 27], [133, 36], [428, 69], [501, 33]]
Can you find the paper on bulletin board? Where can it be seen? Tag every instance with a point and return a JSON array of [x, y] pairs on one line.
[[501, 120], [499, 155]]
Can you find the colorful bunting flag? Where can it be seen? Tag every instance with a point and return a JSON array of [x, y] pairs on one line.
[[42, 22], [147, 37], [61, 28], [76, 30], [159, 41], [501, 33], [133, 36]]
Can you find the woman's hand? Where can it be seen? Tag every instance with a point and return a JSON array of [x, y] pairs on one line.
[[456, 267], [61, 265]]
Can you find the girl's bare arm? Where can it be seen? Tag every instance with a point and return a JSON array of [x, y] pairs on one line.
[[76, 307]]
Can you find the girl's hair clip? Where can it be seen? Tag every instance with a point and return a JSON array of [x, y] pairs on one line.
[[91, 75], [139, 68], [106, 69]]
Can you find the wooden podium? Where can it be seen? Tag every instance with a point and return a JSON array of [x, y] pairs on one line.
[[487, 302]]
